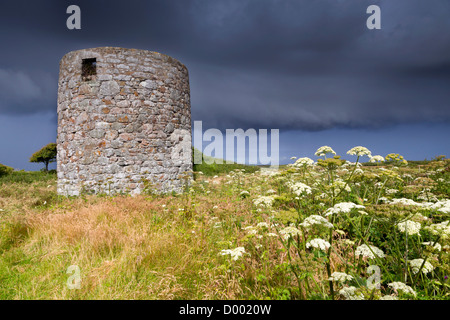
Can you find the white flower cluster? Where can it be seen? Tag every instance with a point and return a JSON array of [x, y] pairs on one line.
[[290, 232], [441, 205], [359, 151], [391, 191], [350, 293], [263, 201], [344, 207], [383, 199], [255, 230], [234, 253], [340, 277], [404, 201], [376, 159], [322, 151], [410, 227], [303, 162], [442, 229], [427, 196], [262, 225], [416, 263], [251, 230], [316, 220], [299, 188], [365, 251], [319, 244], [400, 286], [244, 194], [437, 246]]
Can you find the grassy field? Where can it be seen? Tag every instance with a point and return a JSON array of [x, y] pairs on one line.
[[328, 230]]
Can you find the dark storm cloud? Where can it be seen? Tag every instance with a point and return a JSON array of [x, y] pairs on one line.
[[326, 70], [298, 64], [26, 93]]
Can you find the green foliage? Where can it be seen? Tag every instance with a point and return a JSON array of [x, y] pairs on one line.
[[5, 170], [284, 201], [287, 217], [12, 233], [28, 177], [440, 158], [331, 163], [395, 158], [46, 155]]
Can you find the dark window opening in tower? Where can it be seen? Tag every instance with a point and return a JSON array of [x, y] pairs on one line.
[[88, 69]]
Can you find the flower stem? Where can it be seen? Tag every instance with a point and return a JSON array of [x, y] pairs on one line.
[[423, 262]]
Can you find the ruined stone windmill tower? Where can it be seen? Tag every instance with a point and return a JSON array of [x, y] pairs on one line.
[[123, 120]]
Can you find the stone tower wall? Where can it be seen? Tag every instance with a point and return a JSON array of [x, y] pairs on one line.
[[124, 126]]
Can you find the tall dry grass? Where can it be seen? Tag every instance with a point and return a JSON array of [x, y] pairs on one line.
[[145, 247]]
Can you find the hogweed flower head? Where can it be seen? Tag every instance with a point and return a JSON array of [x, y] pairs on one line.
[[391, 191], [322, 151], [316, 220], [441, 206], [289, 232], [244, 194], [369, 252], [319, 244], [340, 277], [350, 293], [400, 286], [404, 201], [303, 162], [300, 188], [359, 151], [436, 247], [417, 263], [410, 227], [234, 253], [442, 229], [262, 225], [376, 159], [445, 209], [265, 201], [344, 207], [251, 230]]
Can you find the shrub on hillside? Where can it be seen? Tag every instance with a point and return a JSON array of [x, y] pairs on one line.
[[5, 170]]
